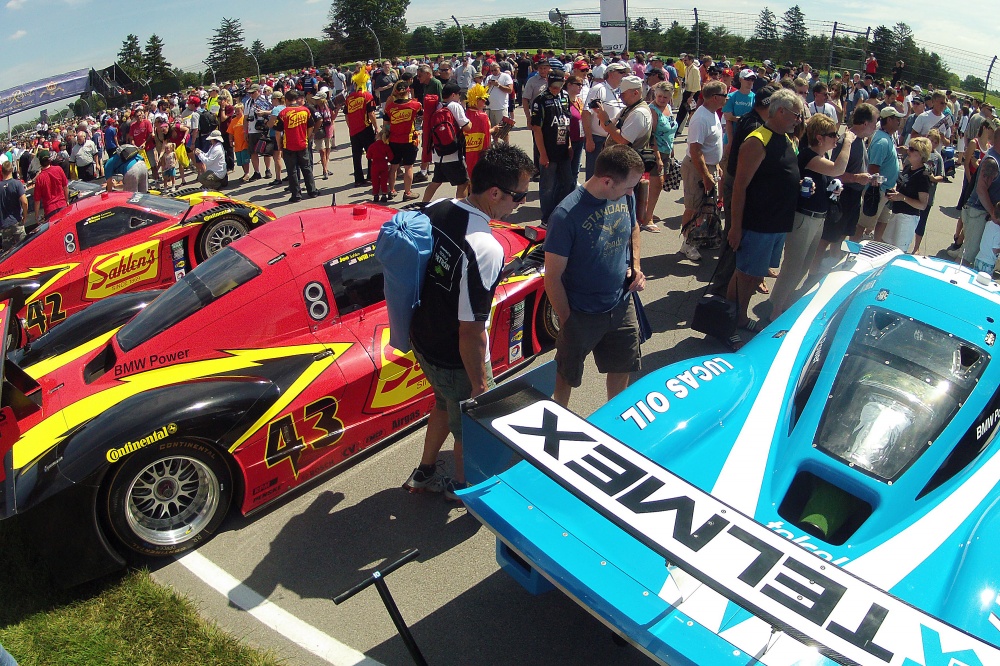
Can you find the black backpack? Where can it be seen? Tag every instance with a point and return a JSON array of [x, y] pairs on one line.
[[207, 122]]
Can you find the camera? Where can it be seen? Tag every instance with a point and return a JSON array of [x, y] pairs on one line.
[[594, 103]]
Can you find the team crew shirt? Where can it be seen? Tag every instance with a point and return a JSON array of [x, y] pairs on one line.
[[402, 116], [293, 123], [552, 114], [462, 276], [358, 104]]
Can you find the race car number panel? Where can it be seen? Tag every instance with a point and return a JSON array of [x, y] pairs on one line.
[[820, 604]]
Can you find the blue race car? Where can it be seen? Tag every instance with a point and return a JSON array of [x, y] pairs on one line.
[[829, 494]]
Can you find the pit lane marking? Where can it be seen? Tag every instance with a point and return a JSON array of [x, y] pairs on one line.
[[270, 614]]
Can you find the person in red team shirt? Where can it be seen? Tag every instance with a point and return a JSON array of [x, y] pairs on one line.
[[402, 113], [294, 123], [477, 132], [142, 137], [51, 187], [360, 109], [379, 156]]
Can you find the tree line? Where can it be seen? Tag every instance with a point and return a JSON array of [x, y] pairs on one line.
[[366, 29]]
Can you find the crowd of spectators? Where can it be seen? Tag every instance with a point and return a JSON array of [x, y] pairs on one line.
[[853, 132]]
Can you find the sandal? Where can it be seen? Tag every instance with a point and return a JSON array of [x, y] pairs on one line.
[[753, 325], [650, 227], [762, 288], [734, 341]]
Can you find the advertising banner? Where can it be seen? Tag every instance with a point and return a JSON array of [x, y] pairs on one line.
[[614, 26], [44, 91]]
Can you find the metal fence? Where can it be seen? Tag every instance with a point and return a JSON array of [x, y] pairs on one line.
[[830, 44]]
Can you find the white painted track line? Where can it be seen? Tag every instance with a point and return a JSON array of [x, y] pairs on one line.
[[302, 634]]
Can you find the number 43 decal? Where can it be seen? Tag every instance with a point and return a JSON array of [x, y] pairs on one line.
[[37, 315], [315, 426]]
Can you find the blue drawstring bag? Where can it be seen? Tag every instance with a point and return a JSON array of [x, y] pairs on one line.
[[403, 248]]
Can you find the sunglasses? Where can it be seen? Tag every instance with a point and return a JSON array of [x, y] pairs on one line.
[[720, 95], [912, 150], [516, 197], [832, 135]]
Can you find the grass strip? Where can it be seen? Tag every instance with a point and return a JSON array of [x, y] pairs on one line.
[[126, 619]]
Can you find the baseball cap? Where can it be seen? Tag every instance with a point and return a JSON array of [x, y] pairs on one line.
[[255, 88], [556, 75], [581, 65], [194, 99], [763, 96], [617, 67], [918, 100], [917, 89], [630, 83], [727, 72], [889, 112], [748, 74], [44, 154], [277, 94], [768, 63]]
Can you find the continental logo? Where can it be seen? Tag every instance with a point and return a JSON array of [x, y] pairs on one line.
[[118, 271], [216, 214], [114, 455], [400, 378]]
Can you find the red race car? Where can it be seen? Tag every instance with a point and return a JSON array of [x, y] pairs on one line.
[[110, 243], [267, 365]]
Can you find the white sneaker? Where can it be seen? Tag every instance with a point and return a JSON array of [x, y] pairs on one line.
[[690, 251]]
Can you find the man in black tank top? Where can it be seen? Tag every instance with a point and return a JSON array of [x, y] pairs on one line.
[[765, 193]]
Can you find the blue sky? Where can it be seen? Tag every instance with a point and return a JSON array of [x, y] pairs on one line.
[[44, 37]]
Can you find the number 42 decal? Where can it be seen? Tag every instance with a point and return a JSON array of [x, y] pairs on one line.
[[314, 426], [37, 315]]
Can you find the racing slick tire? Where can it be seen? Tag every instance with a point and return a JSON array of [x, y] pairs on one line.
[[546, 322], [219, 233], [168, 497]]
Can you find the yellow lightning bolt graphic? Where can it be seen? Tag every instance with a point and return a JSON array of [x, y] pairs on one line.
[[49, 432], [61, 269]]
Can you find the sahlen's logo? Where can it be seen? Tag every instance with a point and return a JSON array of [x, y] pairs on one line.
[[115, 272], [114, 455]]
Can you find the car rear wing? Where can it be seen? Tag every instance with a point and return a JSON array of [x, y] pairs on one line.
[[823, 606], [20, 395]]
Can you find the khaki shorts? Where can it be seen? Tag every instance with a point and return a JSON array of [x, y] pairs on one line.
[[694, 190], [612, 336], [451, 387], [881, 216]]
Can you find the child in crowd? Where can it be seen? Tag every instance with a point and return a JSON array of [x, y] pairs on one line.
[[241, 147], [477, 133], [379, 156], [935, 173], [168, 165]]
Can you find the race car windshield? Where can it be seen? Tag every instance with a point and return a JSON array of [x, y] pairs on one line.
[[900, 384], [165, 205], [27, 239], [211, 280]]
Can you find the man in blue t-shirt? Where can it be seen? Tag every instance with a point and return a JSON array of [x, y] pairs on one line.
[[882, 160], [591, 266], [738, 104]]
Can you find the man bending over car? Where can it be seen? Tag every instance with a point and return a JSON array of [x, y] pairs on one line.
[[449, 329]]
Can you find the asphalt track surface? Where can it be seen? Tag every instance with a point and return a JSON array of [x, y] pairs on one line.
[[274, 575]]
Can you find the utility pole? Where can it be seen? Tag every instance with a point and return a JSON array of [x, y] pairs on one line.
[[377, 44], [460, 31], [312, 60]]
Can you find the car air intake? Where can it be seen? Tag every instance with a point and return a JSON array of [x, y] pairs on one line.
[[822, 509]]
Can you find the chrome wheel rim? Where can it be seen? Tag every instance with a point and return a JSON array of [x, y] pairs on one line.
[[223, 235], [172, 500]]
